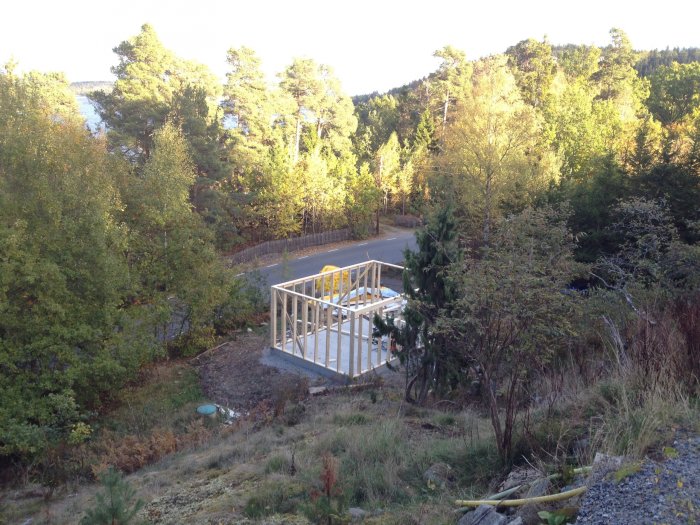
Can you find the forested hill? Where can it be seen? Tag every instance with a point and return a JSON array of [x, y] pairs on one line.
[[361, 99], [647, 64], [650, 61]]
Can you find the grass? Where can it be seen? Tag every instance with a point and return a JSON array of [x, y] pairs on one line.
[[277, 464], [274, 496], [627, 470], [353, 418], [267, 472]]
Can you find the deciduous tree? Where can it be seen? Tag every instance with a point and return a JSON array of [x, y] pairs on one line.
[[511, 312]]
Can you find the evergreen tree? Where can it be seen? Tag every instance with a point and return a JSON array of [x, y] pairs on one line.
[[429, 357], [116, 503], [149, 80], [534, 67]]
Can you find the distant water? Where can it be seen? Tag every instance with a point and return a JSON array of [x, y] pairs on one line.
[[87, 110]]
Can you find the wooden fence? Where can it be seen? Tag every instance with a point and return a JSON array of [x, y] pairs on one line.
[[287, 245]]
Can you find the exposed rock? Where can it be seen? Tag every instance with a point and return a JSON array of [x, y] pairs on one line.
[[603, 464], [357, 514], [519, 476], [538, 488], [528, 513], [516, 521], [614, 461], [483, 515], [438, 475]]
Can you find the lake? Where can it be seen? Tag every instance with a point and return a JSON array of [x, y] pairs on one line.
[[87, 110]]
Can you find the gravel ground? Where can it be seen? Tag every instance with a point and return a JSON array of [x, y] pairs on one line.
[[660, 493]]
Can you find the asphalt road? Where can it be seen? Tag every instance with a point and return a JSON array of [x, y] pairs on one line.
[[389, 249]]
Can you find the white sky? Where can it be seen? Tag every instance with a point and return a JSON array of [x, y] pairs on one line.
[[371, 44]]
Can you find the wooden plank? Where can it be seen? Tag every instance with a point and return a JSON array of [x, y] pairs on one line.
[[329, 322], [339, 349], [351, 361], [302, 296], [369, 346], [326, 273], [390, 265], [357, 288], [380, 304], [317, 320], [273, 320], [284, 320], [294, 339], [305, 325], [360, 326], [364, 296], [294, 319]]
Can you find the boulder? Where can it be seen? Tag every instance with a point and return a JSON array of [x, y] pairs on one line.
[[438, 475], [528, 513], [519, 476], [483, 515], [357, 514]]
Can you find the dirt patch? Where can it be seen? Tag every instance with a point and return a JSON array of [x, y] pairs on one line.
[[232, 375]]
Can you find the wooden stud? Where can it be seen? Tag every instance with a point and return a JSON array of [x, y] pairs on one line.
[[351, 361], [317, 320], [369, 345], [294, 319], [305, 326], [273, 320], [329, 322], [359, 344], [284, 322]]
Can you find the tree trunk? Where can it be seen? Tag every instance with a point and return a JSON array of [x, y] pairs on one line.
[[493, 412], [444, 113], [298, 138], [487, 209]]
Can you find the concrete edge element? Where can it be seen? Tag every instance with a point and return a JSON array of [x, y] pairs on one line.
[[311, 368]]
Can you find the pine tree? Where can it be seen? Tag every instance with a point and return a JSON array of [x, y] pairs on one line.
[[428, 357], [115, 503]]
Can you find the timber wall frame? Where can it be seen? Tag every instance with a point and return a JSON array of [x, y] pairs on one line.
[[326, 319]]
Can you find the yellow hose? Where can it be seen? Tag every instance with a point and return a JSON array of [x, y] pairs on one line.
[[523, 501]]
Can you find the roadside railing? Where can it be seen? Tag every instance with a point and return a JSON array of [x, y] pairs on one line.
[[290, 244]]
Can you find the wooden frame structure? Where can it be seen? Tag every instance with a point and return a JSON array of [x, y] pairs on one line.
[[326, 319]]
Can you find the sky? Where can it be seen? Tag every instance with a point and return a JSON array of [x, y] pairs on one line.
[[372, 45]]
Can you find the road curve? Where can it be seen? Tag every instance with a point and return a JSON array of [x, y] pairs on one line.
[[388, 249]]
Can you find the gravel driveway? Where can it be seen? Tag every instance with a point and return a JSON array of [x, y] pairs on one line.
[[660, 493]]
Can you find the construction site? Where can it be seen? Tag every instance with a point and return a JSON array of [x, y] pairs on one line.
[[324, 322]]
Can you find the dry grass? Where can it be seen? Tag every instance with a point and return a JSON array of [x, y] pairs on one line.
[[270, 465], [382, 447]]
